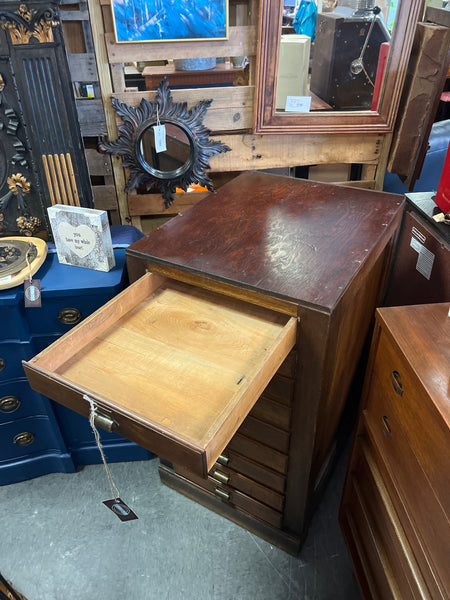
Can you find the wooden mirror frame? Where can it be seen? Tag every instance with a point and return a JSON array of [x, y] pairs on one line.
[[268, 121]]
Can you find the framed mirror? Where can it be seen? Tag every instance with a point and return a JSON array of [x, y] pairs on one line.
[[164, 144], [328, 115]]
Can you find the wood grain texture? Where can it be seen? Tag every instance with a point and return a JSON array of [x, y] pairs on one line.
[[291, 238], [403, 441]]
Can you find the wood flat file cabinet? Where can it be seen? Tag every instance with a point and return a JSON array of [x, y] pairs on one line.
[[232, 353], [396, 503]]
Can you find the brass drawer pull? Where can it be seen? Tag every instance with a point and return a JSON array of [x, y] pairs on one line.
[[387, 427], [24, 439], [2, 364], [223, 460], [222, 477], [69, 316], [105, 421], [9, 403], [396, 381], [222, 494]]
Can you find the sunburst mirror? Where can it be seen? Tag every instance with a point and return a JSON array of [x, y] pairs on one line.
[[186, 140]]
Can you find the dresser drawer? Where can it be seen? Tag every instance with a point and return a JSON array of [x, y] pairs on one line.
[[256, 471], [426, 430], [272, 412], [259, 452], [170, 366], [231, 480], [18, 400], [236, 498], [28, 437], [429, 523], [267, 434], [387, 536], [12, 353]]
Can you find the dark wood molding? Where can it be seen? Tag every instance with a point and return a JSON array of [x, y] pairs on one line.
[[267, 121]]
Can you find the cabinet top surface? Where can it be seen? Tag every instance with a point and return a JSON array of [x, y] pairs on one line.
[[422, 333], [291, 238]]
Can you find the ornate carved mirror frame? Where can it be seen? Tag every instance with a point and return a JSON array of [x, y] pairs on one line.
[[140, 121], [267, 120]]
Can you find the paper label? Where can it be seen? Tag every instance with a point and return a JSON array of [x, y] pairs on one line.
[[425, 260], [159, 132], [298, 104]]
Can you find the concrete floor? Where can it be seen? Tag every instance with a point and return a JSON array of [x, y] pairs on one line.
[[59, 542]]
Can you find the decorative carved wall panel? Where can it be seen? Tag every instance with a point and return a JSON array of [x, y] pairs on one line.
[[42, 158]]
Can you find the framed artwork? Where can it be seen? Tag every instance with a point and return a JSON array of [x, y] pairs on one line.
[[170, 20]]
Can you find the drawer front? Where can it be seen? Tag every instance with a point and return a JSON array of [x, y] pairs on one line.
[[427, 433], [259, 452], [231, 480], [59, 314], [428, 520], [18, 400], [171, 367], [273, 412], [12, 353], [267, 434], [28, 437], [389, 537], [240, 464], [280, 388], [236, 499], [12, 318]]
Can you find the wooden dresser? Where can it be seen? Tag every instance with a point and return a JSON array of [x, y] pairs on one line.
[[273, 282], [396, 503]]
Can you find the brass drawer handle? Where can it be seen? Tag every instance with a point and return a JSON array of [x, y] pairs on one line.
[[2, 364], [69, 316], [222, 494], [396, 381], [24, 439], [223, 460], [387, 427], [105, 421], [9, 403], [222, 477]]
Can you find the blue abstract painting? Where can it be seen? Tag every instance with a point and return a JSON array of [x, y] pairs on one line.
[[169, 20]]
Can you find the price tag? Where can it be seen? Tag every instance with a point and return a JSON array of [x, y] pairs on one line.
[[32, 293], [298, 104], [120, 509], [159, 132]]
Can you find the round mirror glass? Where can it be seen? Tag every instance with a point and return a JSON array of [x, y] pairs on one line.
[[167, 154]]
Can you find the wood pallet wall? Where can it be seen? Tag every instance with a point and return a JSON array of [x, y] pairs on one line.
[[91, 115], [230, 117]]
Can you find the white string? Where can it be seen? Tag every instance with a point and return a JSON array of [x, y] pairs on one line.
[[114, 489], [27, 257]]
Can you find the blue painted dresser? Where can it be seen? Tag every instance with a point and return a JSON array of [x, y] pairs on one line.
[[38, 436]]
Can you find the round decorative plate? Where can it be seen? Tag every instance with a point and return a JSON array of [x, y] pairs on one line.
[[20, 258]]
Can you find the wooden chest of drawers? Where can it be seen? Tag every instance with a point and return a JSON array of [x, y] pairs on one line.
[[311, 261], [396, 503]]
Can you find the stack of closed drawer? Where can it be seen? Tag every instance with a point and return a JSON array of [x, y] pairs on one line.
[[37, 436], [395, 508], [250, 474]]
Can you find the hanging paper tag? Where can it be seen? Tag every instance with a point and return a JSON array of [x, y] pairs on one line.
[[32, 292], [159, 132], [120, 509]]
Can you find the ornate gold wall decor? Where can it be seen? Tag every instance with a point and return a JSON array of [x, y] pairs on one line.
[[26, 24]]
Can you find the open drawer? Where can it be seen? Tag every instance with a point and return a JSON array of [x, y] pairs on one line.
[[170, 366]]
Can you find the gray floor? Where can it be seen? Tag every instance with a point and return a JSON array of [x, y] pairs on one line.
[[59, 542]]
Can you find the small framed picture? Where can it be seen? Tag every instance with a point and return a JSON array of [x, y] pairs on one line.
[[169, 21], [82, 237]]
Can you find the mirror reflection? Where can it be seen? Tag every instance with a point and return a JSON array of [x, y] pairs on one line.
[[333, 54], [175, 158]]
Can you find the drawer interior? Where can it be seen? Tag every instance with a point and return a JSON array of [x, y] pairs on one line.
[[178, 359]]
